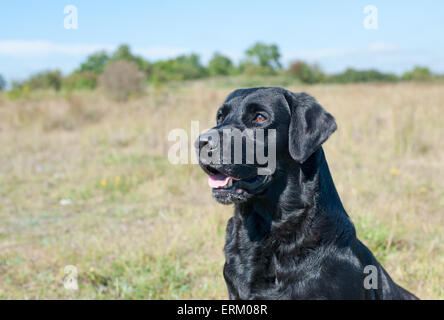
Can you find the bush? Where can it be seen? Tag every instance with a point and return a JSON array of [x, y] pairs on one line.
[[220, 65], [418, 74], [266, 56], [95, 63], [122, 78], [251, 69], [46, 80], [305, 72], [184, 67], [123, 52], [18, 91], [352, 75], [80, 81]]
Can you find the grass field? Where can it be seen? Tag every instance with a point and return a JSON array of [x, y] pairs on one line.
[[85, 181]]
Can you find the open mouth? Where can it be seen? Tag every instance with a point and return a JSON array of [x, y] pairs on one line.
[[220, 181], [236, 187]]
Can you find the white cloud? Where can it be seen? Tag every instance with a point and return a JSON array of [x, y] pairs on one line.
[[25, 49], [382, 47], [19, 48]]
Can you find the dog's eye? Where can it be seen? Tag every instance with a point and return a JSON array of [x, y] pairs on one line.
[[260, 118], [220, 119]]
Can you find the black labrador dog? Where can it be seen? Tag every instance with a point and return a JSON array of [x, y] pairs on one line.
[[290, 237]]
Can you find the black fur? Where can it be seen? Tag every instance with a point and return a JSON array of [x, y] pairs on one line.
[[294, 239]]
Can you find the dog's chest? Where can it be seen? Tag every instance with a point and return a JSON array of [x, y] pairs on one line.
[[250, 265], [269, 268]]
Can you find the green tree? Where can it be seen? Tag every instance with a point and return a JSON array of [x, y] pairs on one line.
[[95, 63], [418, 74], [264, 55], [123, 52], [183, 67], [352, 75], [80, 81], [220, 65], [2, 83], [305, 72], [46, 80]]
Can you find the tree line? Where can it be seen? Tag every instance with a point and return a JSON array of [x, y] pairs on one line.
[[260, 59]]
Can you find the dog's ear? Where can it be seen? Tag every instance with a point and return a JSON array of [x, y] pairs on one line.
[[310, 125]]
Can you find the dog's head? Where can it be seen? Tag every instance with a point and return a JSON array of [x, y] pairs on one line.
[[258, 132]]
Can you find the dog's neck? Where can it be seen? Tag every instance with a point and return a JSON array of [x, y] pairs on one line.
[[300, 205]]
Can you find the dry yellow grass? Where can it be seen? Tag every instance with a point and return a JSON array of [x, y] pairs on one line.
[[86, 182]]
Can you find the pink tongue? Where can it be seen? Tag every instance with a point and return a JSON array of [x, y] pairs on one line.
[[218, 180]]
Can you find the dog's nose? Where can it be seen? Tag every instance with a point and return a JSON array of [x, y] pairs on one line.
[[206, 139]]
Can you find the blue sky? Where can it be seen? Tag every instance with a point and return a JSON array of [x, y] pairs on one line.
[[331, 33]]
